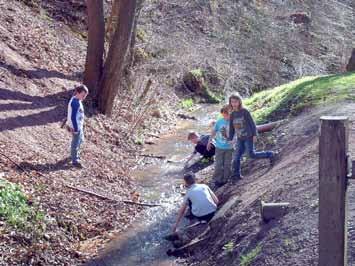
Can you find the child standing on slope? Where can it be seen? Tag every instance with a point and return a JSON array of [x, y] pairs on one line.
[[75, 122], [243, 125], [224, 149]]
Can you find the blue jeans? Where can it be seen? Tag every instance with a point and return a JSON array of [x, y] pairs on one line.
[[247, 145], [78, 139]]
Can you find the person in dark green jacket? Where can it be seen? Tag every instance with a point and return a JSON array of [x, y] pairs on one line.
[[243, 128]]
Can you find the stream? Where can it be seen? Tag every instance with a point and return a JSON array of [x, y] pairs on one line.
[[159, 181]]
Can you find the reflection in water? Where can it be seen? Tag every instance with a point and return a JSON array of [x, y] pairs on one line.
[[142, 244]]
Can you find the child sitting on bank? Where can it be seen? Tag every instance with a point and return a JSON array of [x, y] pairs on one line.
[[200, 142], [224, 148]]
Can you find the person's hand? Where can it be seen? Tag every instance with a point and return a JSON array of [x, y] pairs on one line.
[[209, 146], [255, 139]]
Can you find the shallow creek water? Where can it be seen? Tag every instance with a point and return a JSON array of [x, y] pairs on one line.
[[142, 244]]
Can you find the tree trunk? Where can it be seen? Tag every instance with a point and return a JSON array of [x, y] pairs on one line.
[[351, 64], [134, 32], [112, 24], [113, 70], [95, 50]]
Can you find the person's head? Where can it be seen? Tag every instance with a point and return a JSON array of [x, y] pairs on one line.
[[189, 179], [81, 92], [235, 102], [225, 112], [193, 137]]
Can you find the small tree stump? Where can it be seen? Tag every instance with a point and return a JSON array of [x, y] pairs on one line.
[[271, 211]]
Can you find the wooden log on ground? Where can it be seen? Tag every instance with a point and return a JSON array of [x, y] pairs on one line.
[[333, 147], [267, 127]]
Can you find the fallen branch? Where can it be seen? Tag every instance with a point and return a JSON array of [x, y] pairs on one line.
[[183, 116], [108, 198], [189, 246], [153, 156], [15, 163], [148, 142], [153, 135], [184, 249]]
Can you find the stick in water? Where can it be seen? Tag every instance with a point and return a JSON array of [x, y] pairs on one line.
[[108, 198]]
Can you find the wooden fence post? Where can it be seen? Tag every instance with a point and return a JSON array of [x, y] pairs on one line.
[[333, 148]]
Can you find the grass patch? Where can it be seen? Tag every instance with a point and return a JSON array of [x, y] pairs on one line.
[[198, 73], [229, 247], [294, 97], [139, 140], [187, 104], [14, 208], [247, 259], [141, 35]]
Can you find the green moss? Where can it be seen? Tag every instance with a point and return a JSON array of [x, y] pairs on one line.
[[294, 97], [247, 259], [187, 104], [141, 35], [212, 97]]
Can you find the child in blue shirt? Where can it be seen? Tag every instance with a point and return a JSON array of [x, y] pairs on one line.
[[75, 122], [224, 149]]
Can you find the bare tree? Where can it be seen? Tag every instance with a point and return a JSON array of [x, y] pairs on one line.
[[95, 50], [116, 58]]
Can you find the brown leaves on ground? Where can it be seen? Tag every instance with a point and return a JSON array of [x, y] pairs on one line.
[[40, 60]]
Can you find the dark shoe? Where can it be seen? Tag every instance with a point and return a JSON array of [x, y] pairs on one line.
[[172, 237], [274, 158], [78, 165], [236, 178], [220, 184]]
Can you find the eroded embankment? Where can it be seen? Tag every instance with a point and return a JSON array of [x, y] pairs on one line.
[[237, 236]]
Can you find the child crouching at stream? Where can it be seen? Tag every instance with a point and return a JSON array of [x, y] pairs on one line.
[[200, 199], [224, 148], [200, 142]]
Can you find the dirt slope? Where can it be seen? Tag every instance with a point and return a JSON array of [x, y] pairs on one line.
[[243, 45], [41, 61], [252, 45], [293, 239]]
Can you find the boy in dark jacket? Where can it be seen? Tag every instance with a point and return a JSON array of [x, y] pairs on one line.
[[200, 142], [243, 126]]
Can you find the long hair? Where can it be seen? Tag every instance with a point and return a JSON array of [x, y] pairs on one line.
[[238, 98]]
